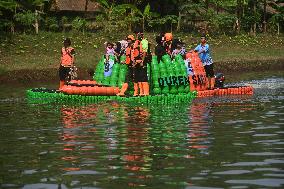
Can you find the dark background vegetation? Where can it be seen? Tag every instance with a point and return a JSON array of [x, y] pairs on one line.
[[206, 16], [243, 34]]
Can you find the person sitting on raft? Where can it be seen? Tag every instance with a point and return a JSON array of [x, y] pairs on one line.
[[110, 50], [203, 51], [108, 61], [178, 48], [66, 63], [119, 48]]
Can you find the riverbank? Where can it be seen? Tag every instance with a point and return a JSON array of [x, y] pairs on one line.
[[26, 58]]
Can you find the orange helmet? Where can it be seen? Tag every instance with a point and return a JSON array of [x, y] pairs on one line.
[[168, 36], [131, 37]]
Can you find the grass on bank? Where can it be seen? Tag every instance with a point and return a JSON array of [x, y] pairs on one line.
[[32, 52]]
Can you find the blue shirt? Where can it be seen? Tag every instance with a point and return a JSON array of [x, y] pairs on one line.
[[204, 54]]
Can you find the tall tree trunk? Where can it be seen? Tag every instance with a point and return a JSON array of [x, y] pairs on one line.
[[254, 11], [143, 24], [264, 16], [36, 21], [12, 28], [239, 15], [179, 21]]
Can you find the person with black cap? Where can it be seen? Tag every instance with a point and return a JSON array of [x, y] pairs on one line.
[[141, 48], [160, 49], [66, 63], [203, 51]]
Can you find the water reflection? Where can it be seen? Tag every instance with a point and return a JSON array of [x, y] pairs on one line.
[[234, 142], [138, 140], [200, 119]]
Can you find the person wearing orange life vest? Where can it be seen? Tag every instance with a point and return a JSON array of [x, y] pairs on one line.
[[168, 43], [66, 63], [130, 64], [140, 55]]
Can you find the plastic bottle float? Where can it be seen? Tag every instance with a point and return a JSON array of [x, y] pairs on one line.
[[168, 79]]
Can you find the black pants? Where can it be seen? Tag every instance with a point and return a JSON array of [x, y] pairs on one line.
[[141, 74], [209, 70], [64, 73], [129, 75]]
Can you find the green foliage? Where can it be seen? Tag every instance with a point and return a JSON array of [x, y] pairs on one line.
[[37, 2], [8, 5], [189, 15], [51, 24], [169, 19], [79, 24], [222, 22], [64, 20], [5, 24], [26, 18]]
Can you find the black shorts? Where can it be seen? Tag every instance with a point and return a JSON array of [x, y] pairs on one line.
[[64, 73], [140, 74], [209, 70], [130, 75]]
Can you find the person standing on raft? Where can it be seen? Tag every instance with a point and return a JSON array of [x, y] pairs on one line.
[[137, 70], [141, 47], [168, 43], [66, 63], [160, 50], [203, 51], [129, 62]]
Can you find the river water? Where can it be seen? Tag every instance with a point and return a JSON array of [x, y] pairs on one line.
[[224, 142]]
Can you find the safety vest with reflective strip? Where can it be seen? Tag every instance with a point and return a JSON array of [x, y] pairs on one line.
[[66, 56]]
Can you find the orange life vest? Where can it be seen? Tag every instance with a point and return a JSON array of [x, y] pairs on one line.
[[137, 52], [66, 57], [134, 53], [128, 55]]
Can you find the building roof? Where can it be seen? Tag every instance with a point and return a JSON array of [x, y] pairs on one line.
[[270, 7], [74, 5]]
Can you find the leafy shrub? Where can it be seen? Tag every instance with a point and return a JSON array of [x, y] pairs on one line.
[[79, 24], [222, 22], [26, 18], [51, 24]]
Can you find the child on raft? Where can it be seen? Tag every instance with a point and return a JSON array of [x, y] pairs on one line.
[[108, 61], [66, 63]]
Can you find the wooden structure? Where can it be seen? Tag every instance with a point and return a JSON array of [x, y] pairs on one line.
[[75, 5]]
